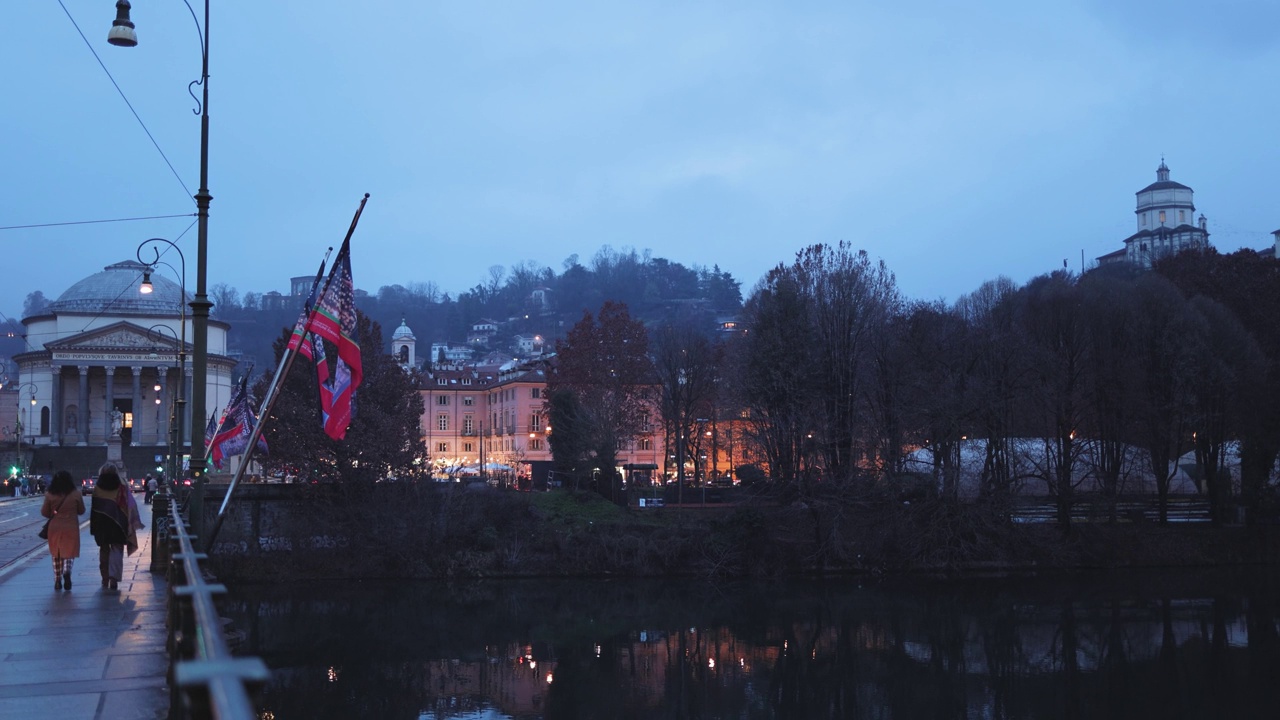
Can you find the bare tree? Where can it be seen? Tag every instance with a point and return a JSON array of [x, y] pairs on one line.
[[225, 298], [686, 363]]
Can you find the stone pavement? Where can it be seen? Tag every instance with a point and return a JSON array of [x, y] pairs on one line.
[[90, 652]]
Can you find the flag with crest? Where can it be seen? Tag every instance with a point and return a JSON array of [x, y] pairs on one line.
[[238, 422], [334, 320]]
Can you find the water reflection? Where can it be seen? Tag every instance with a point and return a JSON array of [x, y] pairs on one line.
[[1155, 645]]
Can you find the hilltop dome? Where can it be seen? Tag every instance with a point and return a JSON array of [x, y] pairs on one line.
[[403, 332], [115, 291]]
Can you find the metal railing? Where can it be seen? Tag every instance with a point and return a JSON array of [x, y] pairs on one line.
[[205, 680]]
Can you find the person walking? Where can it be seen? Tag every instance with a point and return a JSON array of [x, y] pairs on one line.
[[63, 505], [113, 523]]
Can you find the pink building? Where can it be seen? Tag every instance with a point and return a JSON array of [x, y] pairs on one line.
[[494, 418]]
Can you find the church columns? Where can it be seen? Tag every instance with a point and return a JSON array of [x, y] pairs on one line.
[[55, 405], [110, 402], [82, 413], [136, 435]]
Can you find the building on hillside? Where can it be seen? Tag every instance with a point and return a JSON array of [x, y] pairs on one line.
[[1272, 252], [449, 352], [1166, 224], [528, 344], [540, 298], [102, 348], [300, 287]]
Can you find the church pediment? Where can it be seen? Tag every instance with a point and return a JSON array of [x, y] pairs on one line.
[[121, 338]]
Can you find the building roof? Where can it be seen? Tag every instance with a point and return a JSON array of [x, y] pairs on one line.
[[1163, 231], [403, 332], [116, 291], [1163, 185]]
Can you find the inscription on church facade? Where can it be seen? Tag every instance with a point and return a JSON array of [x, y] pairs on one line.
[[71, 357]]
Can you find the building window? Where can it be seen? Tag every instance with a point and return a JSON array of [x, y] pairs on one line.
[[646, 443], [442, 399], [1182, 216], [535, 444], [442, 447], [441, 381], [442, 422], [1144, 219], [466, 381], [468, 447], [535, 422], [535, 393], [468, 425], [468, 400]]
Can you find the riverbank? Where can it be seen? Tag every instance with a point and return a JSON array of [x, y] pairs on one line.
[[336, 532]]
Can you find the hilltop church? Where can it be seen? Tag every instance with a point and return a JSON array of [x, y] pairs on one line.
[[1166, 224]]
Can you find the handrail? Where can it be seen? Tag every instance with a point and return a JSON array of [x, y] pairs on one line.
[[199, 655]]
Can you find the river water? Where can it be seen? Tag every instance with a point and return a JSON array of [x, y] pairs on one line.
[[1171, 644]]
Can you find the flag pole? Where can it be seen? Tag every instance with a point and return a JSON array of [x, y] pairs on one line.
[[273, 390]]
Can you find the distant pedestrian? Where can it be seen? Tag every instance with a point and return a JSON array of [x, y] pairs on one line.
[[63, 505], [114, 524], [149, 489]]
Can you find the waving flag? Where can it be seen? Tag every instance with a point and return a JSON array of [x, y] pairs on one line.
[[297, 341], [211, 429], [334, 319], [237, 425]]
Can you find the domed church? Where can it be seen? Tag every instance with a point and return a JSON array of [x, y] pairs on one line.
[[1165, 214], [102, 365]]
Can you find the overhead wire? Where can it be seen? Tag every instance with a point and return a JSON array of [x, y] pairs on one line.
[[126, 101], [92, 222]]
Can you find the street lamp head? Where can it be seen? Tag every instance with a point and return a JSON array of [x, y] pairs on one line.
[[122, 33], [146, 288]]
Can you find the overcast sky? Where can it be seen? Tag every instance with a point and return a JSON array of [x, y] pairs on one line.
[[956, 141]]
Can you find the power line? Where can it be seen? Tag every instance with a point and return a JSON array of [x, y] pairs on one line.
[[126, 101], [91, 222]]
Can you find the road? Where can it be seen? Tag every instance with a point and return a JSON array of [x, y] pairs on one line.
[[20, 520]]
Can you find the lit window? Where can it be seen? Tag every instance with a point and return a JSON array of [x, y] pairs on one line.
[[1161, 217], [442, 447], [646, 443]]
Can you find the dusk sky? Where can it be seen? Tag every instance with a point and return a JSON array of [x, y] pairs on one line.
[[955, 141]]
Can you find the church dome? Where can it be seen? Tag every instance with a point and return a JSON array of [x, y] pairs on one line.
[[115, 291], [403, 332]]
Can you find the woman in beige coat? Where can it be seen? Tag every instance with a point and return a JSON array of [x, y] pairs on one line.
[[63, 505]]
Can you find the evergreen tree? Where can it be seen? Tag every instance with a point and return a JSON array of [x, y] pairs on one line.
[[384, 439]]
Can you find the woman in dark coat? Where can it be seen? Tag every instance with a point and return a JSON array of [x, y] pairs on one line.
[[63, 505], [110, 524]]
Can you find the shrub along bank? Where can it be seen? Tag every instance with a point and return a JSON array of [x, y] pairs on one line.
[[452, 531]]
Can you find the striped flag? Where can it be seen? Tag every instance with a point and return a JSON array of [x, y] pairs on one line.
[[334, 319]]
